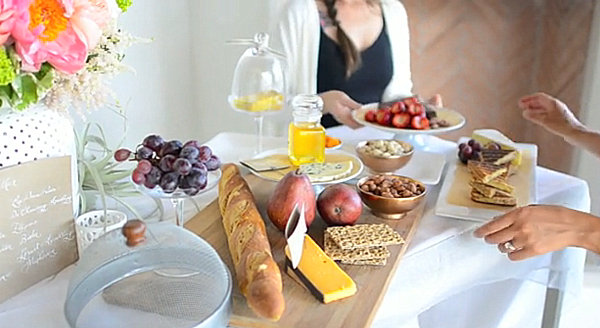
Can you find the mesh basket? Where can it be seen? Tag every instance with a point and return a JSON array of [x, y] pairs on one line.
[[174, 279]]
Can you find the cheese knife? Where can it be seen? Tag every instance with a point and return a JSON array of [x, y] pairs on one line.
[[295, 230]]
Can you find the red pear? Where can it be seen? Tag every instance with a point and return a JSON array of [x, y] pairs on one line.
[[293, 189]]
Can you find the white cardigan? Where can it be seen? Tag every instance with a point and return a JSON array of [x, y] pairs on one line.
[[297, 33]]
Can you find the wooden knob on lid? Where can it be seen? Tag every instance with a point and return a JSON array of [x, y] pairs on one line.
[[135, 232]]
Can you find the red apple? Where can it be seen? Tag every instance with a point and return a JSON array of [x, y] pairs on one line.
[[339, 204]]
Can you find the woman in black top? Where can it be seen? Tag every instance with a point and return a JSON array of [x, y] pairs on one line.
[[367, 77], [355, 63]]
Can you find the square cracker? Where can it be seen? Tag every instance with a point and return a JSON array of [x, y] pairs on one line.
[[375, 262], [364, 235], [352, 255]]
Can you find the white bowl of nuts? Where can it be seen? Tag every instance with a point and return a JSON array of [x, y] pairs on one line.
[[391, 196], [384, 156]]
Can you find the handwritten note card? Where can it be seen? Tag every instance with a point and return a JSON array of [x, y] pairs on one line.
[[37, 236]]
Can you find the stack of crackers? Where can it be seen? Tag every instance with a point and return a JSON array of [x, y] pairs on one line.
[[361, 244], [489, 183]]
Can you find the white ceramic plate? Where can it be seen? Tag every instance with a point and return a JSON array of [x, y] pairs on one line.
[[524, 181], [424, 166], [336, 155], [453, 117]]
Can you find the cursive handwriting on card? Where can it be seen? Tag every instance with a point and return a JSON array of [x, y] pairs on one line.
[[20, 227], [27, 236], [61, 236], [62, 199], [28, 210], [37, 237], [7, 183], [33, 256]]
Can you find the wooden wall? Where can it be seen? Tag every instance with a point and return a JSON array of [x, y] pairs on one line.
[[482, 55]]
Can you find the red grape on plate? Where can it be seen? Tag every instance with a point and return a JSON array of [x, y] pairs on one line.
[[122, 154], [193, 143], [196, 179], [172, 147], [169, 182], [144, 152], [467, 151], [200, 166], [149, 184], [204, 153], [213, 163], [463, 158], [182, 166], [144, 166], [138, 177], [474, 144], [190, 153], [166, 163], [154, 176], [154, 142]]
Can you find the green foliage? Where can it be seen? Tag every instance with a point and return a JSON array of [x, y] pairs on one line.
[[124, 4], [26, 89], [7, 68]]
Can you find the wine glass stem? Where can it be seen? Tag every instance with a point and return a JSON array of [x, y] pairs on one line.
[[178, 205], [259, 133]]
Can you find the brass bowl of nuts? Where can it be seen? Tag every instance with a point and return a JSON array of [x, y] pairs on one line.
[[384, 156], [391, 196]]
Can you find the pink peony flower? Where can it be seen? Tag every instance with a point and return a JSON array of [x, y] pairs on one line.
[[90, 17], [59, 32], [7, 19], [104, 11]]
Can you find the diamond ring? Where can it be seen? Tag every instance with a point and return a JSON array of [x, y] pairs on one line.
[[509, 246]]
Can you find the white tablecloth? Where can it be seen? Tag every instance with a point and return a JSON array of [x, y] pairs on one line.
[[447, 278]]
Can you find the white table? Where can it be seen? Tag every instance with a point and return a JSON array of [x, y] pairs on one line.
[[446, 279]]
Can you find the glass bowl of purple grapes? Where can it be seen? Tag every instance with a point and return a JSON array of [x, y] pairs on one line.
[[172, 169]]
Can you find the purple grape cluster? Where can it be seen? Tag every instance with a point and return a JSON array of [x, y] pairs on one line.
[[171, 164], [469, 151], [472, 150]]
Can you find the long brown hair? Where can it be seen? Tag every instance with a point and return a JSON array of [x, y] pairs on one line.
[[351, 55]]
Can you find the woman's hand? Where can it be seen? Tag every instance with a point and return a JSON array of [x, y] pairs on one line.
[[539, 229], [550, 113], [436, 100], [338, 104]]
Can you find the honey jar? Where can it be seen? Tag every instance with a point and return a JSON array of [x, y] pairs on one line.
[[306, 139]]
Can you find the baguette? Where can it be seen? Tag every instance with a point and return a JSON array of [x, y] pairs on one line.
[[257, 273]]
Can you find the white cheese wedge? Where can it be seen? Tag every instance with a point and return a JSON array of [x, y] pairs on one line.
[[323, 172], [485, 136]]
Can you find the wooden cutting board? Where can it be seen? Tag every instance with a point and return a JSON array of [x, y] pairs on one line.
[[302, 309]]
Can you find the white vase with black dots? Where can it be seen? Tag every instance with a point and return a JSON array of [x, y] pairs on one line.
[[38, 133]]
